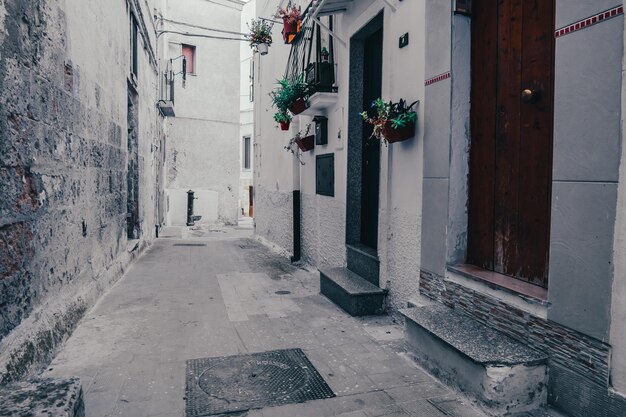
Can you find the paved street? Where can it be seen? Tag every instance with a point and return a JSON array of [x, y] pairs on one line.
[[218, 292]]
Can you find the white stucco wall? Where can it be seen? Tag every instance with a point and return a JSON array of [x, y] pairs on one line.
[[246, 107], [203, 148], [323, 218]]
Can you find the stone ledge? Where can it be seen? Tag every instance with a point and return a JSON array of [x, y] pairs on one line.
[[478, 342], [47, 397]]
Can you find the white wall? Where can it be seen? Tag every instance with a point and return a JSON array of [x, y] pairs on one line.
[[323, 223], [246, 106]]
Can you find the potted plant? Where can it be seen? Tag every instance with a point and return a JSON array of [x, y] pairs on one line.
[[283, 118], [292, 20], [298, 91], [260, 36], [325, 54], [290, 95], [393, 122], [304, 140]]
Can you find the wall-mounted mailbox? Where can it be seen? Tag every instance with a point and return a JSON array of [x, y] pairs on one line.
[[321, 130], [325, 174]]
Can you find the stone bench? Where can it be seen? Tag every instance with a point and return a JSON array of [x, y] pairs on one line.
[[47, 397], [501, 374]]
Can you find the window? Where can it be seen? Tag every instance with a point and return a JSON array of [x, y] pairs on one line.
[[251, 95], [246, 152], [189, 52], [133, 45]]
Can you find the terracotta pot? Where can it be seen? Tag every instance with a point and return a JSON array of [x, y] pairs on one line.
[[284, 125], [290, 30], [298, 106], [398, 135], [306, 143], [262, 48]]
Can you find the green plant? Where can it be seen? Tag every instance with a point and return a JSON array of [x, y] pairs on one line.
[[292, 145], [260, 32], [291, 14], [381, 113], [282, 117], [288, 92]]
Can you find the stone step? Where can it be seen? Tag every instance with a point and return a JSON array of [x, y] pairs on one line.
[[351, 292], [363, 260], [504, 376], [43, 397]]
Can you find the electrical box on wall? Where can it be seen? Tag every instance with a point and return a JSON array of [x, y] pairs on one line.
[[321, 130], [325, 174]]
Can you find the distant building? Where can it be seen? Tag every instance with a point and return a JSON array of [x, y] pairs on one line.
[[203, 145], [246, 133], [506, 204]]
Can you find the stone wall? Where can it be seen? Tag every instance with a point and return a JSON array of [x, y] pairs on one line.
[[63, 168]]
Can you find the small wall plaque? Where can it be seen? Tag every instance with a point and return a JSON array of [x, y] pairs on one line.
[[325, 174], [404, 40]]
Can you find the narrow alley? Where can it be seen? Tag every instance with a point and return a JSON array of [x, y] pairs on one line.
[[221, 293]]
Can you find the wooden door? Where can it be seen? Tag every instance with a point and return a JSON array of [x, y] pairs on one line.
[[370, 180], [512, 125]]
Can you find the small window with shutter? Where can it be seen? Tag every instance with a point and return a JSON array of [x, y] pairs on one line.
[[189, 52]]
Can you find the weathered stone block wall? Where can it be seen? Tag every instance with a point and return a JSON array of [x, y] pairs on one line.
[[63, 154]]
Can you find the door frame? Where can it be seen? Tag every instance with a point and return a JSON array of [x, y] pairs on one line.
[[355, 129]]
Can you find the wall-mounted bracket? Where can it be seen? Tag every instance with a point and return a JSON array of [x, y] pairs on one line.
[[391, 4]]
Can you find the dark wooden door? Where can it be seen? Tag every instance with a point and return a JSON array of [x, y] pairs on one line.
[[370, 182], [512, 125]]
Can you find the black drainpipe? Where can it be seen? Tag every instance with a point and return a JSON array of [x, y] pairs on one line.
[[296, 226]]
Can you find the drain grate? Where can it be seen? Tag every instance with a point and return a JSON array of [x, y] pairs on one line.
[[190, 244], [243, 382]]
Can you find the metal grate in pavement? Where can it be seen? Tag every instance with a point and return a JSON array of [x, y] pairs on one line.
[[237, 383], [189, 244]]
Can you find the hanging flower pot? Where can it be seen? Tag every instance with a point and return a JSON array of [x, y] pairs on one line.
[[262, 48], [284, 125], [400, 134], [298, 106], [292, 20], [307, 143], [260, 36]]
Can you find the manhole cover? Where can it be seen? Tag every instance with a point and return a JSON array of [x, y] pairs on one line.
[[282, 292], [190, 244], [244, 382]]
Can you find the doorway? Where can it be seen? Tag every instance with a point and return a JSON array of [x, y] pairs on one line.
[[512, 135], [366, 67]]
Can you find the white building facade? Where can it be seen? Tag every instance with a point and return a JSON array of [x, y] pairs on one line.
[[203, 137], [544, 267]]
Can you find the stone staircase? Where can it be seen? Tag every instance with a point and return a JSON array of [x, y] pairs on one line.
[[355, 288], [503, 376]]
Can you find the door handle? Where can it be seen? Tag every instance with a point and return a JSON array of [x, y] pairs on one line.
[[530, 95]]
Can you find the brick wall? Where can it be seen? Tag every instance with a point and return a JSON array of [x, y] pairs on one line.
[[62, 174]]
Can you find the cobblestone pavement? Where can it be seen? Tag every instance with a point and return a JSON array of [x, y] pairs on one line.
[[213, 292]]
